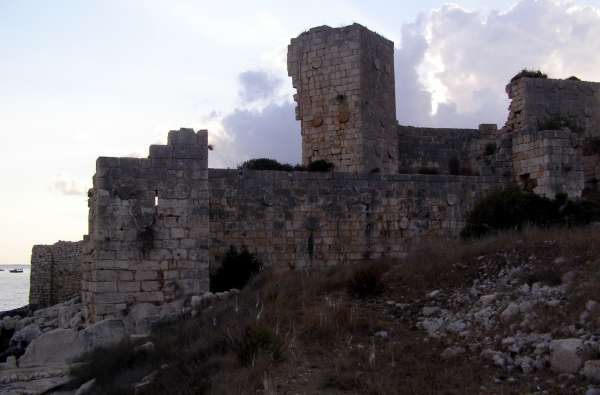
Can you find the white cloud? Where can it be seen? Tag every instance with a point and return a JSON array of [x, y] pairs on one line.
[[257, 85], [452, 66], [464, 59], [264, 125], [68, 187]]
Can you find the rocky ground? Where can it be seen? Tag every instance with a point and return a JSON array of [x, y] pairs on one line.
[[40, 347], [513, 314]]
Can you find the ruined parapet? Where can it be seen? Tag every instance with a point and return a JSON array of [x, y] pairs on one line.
[[148, 227], [543, 114], [55, 273], [537, 103], [344, 79]]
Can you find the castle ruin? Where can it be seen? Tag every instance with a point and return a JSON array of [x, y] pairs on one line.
[[157, 224]]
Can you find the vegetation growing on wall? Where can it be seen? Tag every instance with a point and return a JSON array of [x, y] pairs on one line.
[[266, 164], [525, 73], [514, 208], [272, 164]]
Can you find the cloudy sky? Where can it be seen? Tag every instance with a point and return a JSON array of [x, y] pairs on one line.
[[79, 79]]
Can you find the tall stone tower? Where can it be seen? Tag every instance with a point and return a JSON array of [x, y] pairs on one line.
[[344, 79]]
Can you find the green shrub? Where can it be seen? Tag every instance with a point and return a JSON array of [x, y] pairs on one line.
[[513, 208], [320, 165], [236, 270], [258, 341], [529, 74], [573, 78], [265, 164], [366, 282], [272, 164]]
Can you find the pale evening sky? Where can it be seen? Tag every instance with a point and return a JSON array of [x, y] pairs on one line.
[[80, 79]]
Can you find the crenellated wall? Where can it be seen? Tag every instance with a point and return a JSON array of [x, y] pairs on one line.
[[55, 272], [303, 219]]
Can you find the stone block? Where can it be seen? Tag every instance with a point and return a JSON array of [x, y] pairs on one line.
[[146, 275], [129, 286], [150, 286]]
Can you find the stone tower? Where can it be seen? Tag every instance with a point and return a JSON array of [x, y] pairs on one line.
[[344, 79], [148, 225]]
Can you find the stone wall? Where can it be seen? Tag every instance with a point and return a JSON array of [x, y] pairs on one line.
[[344, 79], [541, 104], [548, 163], [536, 101], [444, 151], [148, 227], [55, 273], [303, 219]]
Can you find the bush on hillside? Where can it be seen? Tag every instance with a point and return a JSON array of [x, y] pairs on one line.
[[366, 282], [514, 208], [235, 271], [258, 341]]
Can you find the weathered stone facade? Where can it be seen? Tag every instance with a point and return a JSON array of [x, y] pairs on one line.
[[148, 239], [156, 223], [548, 162], [301, 219], [55, 273], [346, 98]]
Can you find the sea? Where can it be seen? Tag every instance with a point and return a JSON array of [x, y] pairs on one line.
[[14, 287]]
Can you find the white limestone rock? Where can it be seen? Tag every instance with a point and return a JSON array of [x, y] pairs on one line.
[[86, 387], [510, 312], [25, 336], [568, 355], [64, 346], [591, 370], [55, 347]]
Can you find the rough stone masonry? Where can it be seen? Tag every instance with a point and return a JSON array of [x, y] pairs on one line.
[[157, 224]]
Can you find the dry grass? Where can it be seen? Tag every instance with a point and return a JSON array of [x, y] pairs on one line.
[[452, 264]]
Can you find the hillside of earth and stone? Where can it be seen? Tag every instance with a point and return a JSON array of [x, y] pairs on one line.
[[509, 314], [354, 293]]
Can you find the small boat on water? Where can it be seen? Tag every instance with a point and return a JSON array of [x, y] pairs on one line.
[[18, 270]]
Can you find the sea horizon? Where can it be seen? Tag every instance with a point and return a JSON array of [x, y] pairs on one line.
[[14, 287]]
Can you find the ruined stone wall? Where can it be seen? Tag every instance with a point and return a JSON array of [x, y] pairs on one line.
[[344, 79], [548, 162], [303, 219], [542, 104], [55, 273], [148, 227], [536, 101]]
